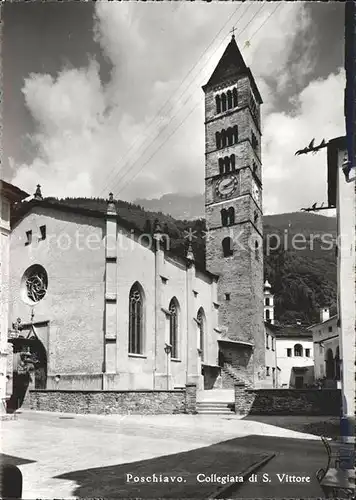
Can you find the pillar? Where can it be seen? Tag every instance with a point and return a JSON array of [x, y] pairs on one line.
[[110, 327]]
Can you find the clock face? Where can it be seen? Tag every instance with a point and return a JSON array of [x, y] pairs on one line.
[[256, 192], [226, 186]]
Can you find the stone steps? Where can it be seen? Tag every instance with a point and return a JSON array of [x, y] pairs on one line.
[[214, 408]]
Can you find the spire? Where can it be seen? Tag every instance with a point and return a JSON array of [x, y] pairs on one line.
[[38, 195], [111, 208], [230, 65]]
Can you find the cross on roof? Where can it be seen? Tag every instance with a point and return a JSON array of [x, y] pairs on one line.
[[233, 31]]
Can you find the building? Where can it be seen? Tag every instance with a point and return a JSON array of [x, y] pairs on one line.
[[326, 348], [341, 194], [273, 372], [233, 210], [294, 346], [9, 194], [105, 307]]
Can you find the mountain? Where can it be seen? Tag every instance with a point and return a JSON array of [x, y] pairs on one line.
[[179, 206], [299, 252]]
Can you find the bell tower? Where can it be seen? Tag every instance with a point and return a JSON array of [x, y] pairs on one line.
[[233, 211]]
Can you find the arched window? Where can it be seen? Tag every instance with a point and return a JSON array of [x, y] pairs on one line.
[[221, 165], [223, 217], [227, 164], [230, 135], [298, 350], [218, 140], [218, 104], [236, 135], [268, 317], [173, 327], [257, 250], [234, 95], [231, 216], [229, 99], [267, 301], [232, 162], [201, 324], [223, 102], [136, 319], [223, 138], [227, 247]]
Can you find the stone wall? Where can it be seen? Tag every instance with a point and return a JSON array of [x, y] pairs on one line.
[[114, 402], [287, 401]]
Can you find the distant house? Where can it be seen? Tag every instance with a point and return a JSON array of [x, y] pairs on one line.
[[295, 356], [272, 379], [326, 348]]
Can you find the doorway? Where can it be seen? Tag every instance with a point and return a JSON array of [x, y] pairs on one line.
[[299, 382]]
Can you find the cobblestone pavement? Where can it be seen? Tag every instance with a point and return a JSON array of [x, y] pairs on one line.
[[57, 444]]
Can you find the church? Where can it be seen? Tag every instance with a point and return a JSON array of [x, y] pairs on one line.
[[104, 307]]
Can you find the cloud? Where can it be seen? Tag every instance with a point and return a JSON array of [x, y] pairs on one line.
[[142, 133], [291, 182]]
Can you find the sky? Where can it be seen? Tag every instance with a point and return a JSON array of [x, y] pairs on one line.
[[107, 96]]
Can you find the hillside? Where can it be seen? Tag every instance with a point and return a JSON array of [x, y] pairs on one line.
[[303, 276]]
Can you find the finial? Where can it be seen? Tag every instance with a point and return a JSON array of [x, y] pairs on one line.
[[190, 253], [157, 227], [267, 285], [111, 208], [233, 33], [38, 195], [32, 314]]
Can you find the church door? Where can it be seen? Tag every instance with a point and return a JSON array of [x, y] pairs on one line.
[[39, 351]]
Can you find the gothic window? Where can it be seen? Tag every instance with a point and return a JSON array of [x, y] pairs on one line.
[[235, 134], [298, 350], [221, 165], [229, 99], [218, 104], [136, 319], [173, 327], [218, 140], [35, 283], [232, 162], [234, 95], [201, 324], [223, 217], [227, 247], [223, 102], [231, 216]]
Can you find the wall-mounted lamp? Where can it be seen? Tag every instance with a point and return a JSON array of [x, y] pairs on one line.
[[57, 378], [168, 348]]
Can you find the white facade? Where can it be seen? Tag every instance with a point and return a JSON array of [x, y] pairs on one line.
[[295, 359], [272, 371], [326, 347], [8, 195], [346, 220]]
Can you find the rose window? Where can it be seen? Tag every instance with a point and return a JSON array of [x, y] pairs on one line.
[[35, 283]]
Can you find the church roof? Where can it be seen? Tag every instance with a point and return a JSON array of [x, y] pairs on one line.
[[230, 66], [25, 207], [12, 192], [289, 331]]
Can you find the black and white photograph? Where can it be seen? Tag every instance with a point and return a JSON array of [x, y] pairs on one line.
[[177, 249]]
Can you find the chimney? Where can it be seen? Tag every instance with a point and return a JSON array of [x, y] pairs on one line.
[[324, 314]]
